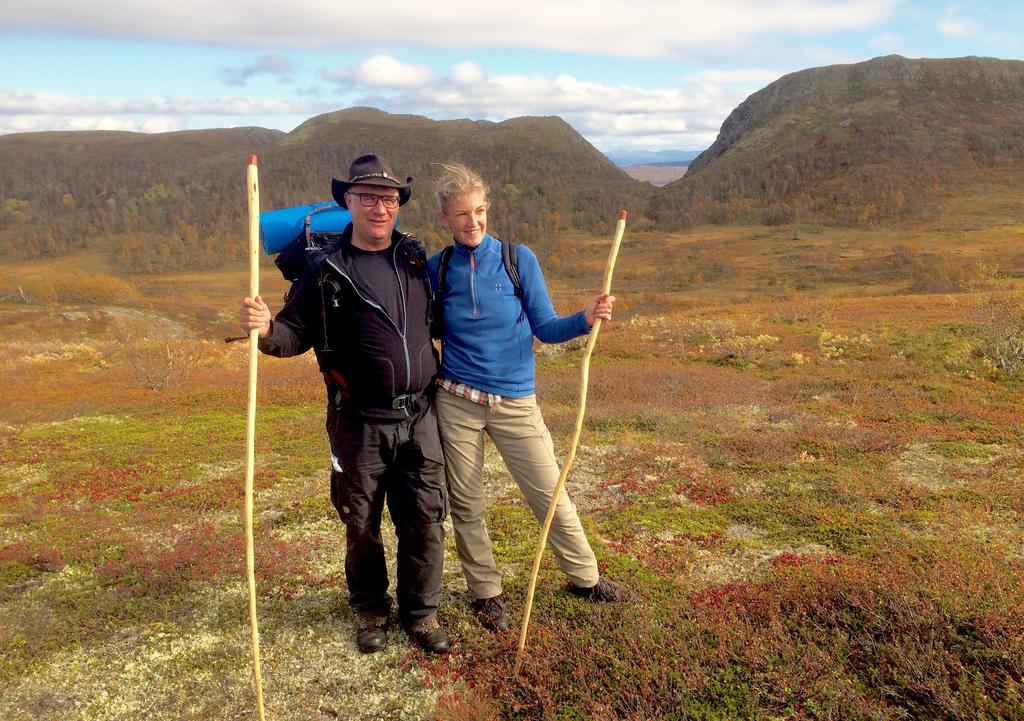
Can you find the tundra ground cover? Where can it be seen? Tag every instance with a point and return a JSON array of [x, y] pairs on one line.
[[814, 493]]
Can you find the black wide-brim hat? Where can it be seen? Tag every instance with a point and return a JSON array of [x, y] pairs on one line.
[[370, 170]]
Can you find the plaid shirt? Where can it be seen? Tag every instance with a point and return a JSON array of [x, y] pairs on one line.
[[461, 390]]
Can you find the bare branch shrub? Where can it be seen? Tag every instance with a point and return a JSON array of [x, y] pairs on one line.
[[32, 290], [840, 348], [70, 288], [931, 272], [998, 309], [792, 306], [158, 356], [720, 338]]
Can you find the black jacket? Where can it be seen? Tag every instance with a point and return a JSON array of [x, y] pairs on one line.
[[367, 357]]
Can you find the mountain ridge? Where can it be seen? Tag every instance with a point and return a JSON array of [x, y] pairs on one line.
[[174, 200], [884, 142]]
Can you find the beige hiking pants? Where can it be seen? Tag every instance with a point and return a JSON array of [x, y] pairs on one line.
[[522, 439]]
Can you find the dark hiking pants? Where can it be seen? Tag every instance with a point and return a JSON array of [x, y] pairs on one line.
[[400, 463]]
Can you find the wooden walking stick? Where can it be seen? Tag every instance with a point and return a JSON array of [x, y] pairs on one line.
[[584, 378], [252, 181]]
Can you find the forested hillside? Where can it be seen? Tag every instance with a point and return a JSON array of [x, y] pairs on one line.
[[888, 140], [178, 200], [544, 176], [173, 198]]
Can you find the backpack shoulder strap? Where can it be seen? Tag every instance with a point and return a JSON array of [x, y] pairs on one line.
[[510, 259], [437, 302], [442, 270]]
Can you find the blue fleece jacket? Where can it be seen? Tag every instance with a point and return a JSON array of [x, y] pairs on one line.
[[486, 345]]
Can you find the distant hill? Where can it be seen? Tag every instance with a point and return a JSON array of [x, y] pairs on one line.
[[626, 158], [544, 176], [177, 199], [888, 140], [60, 191]]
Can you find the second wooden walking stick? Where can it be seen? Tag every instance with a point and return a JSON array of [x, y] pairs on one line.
[[584, 378], [252, 181]]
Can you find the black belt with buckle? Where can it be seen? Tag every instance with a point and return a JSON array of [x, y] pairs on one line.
[[401, 402]]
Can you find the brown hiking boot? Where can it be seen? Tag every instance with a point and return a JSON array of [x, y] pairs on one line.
[[604, 591], [490, 612], [371, 632], [430, 636]]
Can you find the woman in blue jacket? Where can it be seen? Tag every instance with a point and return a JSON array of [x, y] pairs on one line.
[[487, 386]]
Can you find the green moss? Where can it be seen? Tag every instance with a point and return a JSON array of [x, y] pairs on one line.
[[765, 513], [611, 426], [13, 572], [514, 533], [655, 519], [967, 449]]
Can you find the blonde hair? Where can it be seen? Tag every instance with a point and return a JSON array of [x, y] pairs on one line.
[[456, 180]]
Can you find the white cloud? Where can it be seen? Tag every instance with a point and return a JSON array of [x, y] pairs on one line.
[[687, 115], [467, 73], [958, 28], [268, 64], [731, 32], [162, 124], [992, 29], [22, 112], [612, 27], [383, 71], [36, 123], [52, 104]]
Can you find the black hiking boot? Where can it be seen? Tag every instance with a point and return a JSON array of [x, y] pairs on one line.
[[371, 633], [604, 591], [490, 612], [429, 636]]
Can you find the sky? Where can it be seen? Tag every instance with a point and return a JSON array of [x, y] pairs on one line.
[[626, 74]]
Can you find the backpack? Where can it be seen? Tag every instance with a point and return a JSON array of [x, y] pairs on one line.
[[311, 247], [307, 249], [509, 260]]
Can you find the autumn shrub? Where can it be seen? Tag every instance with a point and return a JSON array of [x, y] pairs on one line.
[[19, 556], [792, 306], [202, 552], [637, 389], [95, 289], [724, 344], [646, 473], [32, 289], [105, 483], [839, 347], [823, 638], [710, 330], [69, 288], [157, 356], [998, 309], [931, 272]]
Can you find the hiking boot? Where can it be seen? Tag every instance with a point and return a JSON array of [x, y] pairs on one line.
[[430, 636], [490, 612], [371, 633], [604, 591]]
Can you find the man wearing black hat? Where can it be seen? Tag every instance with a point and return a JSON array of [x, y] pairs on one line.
[[365, 312]]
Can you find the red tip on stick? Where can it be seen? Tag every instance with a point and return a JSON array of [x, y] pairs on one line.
[[252, 158], [622, 213]]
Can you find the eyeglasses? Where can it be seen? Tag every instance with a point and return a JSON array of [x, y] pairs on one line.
[[368, 200]]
